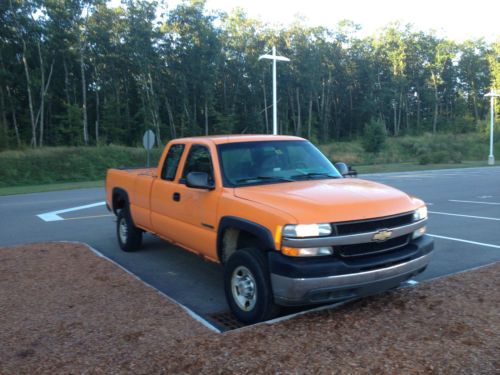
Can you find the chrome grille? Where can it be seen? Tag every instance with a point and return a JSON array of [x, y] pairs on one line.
[[371, 248], [370, 225]]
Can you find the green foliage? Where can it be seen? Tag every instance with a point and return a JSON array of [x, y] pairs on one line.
[[4, 136], [67, 164], [71, 164], [432, 150], [197, 71], [374, 136], [426, 149]]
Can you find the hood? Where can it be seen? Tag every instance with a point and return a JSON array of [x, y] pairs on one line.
[[335, 200]]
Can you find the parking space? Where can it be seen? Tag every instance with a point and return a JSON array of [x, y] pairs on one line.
[[464, 217]]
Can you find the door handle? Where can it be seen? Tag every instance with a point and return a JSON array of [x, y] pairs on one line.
[[176, 197]]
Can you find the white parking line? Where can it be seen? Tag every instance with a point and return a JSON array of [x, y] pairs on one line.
[[88, 217], [411, 282], [469, 216], [491, 203], [466, 241], [54, 215], [421, 175]]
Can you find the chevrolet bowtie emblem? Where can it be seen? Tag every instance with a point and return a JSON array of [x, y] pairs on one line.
[[382, 235]]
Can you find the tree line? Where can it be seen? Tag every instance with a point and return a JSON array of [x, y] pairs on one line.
[[79, 72]]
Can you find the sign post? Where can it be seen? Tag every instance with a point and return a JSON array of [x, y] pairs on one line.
[[148, 141]]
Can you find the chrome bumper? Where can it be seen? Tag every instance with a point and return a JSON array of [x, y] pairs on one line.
[[299, 291]]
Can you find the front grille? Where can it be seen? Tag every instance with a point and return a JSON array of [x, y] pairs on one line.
[[372, 225], [371, 248]]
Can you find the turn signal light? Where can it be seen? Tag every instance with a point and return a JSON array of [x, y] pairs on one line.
[[307, 252]]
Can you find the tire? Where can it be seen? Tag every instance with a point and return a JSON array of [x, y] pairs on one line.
[[248, 287], [129, 236]]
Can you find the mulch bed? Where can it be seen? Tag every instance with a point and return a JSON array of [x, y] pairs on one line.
[[65, 310]]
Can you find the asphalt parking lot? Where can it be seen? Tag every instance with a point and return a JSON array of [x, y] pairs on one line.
[[464, 219]]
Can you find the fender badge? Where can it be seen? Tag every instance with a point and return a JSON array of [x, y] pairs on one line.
[[382, 235]]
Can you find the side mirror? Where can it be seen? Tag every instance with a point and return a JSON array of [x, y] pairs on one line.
[[198, 180], [342, 168], [345, 170]]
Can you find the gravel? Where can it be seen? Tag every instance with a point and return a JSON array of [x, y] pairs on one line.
[[64, 310]]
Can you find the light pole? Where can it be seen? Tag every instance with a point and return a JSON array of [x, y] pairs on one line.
[[275, 110], [492, 94]]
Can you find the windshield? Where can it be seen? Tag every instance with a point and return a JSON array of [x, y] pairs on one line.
[[253, 163]]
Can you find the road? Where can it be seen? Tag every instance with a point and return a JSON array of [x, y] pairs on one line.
[[464, 217]]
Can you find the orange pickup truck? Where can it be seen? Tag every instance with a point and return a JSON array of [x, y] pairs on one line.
[[286, 225]]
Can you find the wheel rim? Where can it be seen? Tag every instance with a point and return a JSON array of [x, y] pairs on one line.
[[244, 288], [123, 230]]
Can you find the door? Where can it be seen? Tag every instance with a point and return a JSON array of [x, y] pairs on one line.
[[188, 216], [195, 210], [162, 193]]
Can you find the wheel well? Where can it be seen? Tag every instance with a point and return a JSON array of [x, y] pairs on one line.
[[234, 239], [120, 200]]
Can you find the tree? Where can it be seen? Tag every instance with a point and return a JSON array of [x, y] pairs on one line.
[[473, 73], [374, 136], [494, 67], [68, 66]]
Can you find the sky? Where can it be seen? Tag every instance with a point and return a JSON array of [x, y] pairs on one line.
[[458, 20]]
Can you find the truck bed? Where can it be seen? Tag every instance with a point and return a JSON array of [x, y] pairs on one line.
[[137, 183]]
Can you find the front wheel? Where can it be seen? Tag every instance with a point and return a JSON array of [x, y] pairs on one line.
[[129, 236], [247, 286]]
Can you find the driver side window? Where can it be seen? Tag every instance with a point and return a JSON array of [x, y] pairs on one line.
[[198, 160]]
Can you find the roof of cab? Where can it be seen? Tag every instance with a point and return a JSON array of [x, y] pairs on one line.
[[220, 139]]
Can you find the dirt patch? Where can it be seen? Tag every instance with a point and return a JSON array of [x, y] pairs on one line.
[[65, 310]]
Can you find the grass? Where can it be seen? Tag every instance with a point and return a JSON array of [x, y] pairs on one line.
[[407, 167], [427, 150], [60, 168], [25, 189], [67, 164]]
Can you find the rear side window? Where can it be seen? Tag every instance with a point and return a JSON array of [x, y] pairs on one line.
[[172, 162], [198, 160]]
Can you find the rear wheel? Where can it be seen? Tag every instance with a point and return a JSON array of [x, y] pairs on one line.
[[129, 236], [247, 286]]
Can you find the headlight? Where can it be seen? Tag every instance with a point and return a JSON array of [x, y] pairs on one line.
[[307, 252], [307, 230], [420, 214]]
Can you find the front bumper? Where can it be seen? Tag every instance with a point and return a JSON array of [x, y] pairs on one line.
[[315, 281]]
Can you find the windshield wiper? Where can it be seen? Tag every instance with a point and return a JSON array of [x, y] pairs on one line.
[[314, 175], [266, 178]]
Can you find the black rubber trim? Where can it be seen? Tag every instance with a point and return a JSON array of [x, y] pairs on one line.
[[338, 294], [330, 265], [127, 201], [122, 192], [259, 231]]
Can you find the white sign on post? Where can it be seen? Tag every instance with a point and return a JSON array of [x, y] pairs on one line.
[[148, 141]]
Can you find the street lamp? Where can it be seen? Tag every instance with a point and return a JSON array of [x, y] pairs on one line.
[[275, 111], [492, 94]]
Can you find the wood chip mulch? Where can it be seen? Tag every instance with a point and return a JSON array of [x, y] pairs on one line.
[[64, 310]]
